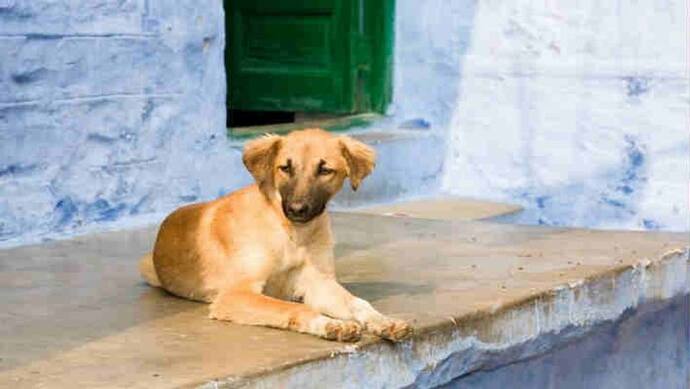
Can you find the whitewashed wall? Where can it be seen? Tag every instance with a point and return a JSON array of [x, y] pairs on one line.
[[576, 110]]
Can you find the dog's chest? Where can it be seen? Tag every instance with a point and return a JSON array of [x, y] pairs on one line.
[[292, 256]]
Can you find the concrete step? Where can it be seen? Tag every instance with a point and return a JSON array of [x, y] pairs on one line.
[[76, 314], [442, 208]]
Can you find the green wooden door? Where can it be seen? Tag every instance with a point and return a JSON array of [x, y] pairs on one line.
[[308, 55]]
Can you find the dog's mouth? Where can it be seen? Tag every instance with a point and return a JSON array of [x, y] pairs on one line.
[[299, 219]]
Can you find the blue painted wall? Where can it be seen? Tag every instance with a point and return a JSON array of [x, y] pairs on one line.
[[109, 110], [113, 112]]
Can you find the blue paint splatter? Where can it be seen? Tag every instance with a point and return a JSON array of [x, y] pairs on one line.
[[613, 203], [636, 86], [417, 123], [188, 198], [101, 210], [148, 109], [99, 138], [634, 153], [650, 224], [541, 201], [618, 202], [29, 76], [4, 231], [136, 209], [16, 169], [626, 189], [65, 210], [635, 160], [222, 192]]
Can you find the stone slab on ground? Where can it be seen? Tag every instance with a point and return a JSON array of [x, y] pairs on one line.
[[443, 208], [76, 314]]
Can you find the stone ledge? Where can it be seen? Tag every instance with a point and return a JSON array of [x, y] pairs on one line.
[[443, 208], [480, 294]]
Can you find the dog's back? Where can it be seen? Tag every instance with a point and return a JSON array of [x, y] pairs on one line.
[[193, 256]]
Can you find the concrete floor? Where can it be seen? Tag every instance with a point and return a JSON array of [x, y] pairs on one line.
[[75, 313]]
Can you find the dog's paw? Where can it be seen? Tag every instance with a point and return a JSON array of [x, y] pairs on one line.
[[343, 331], [391, 329]]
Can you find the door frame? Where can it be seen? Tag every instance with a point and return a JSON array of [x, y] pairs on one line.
[[378, 42]]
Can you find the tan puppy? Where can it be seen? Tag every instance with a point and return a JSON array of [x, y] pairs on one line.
[[254, 252]]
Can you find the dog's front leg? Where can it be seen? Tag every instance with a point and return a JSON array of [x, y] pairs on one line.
[[324, 294], [244, 306]]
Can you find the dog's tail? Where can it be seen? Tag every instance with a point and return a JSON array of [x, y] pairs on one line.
[[148, 271]]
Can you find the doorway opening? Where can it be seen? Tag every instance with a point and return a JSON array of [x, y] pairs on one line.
[[244, 118]]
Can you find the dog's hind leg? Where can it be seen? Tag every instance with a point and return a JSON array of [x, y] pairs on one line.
[[247, 307], [148, 270]]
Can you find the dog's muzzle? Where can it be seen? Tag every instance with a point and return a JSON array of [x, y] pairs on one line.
[[301, 212]]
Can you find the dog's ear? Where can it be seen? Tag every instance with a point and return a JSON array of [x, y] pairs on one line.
[[360, 158], [259, 156]]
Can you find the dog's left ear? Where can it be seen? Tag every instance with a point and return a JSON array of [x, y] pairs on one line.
[[259, 156], [360, 158]]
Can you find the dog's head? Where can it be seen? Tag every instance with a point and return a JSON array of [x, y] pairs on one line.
[[307, 168]]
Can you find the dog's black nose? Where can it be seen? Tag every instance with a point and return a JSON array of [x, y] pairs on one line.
[[299, 209]]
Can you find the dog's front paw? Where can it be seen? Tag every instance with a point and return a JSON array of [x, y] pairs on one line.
[[343, 331], [391, 329]]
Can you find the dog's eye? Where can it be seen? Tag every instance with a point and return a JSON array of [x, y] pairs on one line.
[[284, 168], [287, 168], [324, 171]]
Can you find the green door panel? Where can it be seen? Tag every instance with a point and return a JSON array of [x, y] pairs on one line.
[[309, 55], [290, 55]]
